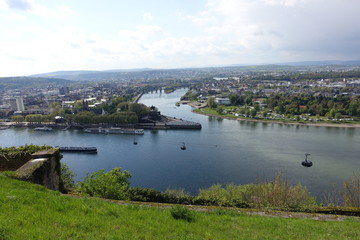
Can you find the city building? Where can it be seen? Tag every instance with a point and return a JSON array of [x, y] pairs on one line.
[[17, 104]]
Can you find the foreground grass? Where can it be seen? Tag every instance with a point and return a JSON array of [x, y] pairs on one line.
[[29, 211]]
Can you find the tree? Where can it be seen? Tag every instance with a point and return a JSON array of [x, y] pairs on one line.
[[253, 112], [138, 108], [211, 102], [84, 117], [248, 100], [257, 107], [338, 116], [264, 114], [32, 118], [17, 118]]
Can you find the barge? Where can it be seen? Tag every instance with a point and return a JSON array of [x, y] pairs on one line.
[[115, 130], [78, 149]]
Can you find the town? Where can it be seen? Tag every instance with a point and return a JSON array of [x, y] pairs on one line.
[[287, 93]]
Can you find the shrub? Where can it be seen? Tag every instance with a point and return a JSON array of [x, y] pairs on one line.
[[182, 213], [352, 191], [178, 196], [279, 194], [67, 177], [151, 195], [145, 195], [230, 196], [274, 194], [113, 184]]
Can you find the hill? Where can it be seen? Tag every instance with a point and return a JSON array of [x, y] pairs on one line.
[[8, 83], [29, 211], [201, 72]]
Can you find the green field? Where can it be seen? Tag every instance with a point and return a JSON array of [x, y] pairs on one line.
[[29, 211]]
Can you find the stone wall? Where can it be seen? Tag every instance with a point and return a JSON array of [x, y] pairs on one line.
[[43, 168], [12, 163]]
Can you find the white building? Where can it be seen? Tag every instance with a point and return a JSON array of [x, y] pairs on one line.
[[222, 101], [17, 104]]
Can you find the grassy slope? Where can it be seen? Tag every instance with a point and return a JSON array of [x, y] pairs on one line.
[[29, 211]]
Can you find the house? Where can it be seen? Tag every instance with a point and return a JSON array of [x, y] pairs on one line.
[[222, 101]]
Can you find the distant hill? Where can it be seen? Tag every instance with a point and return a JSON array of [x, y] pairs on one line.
[[8, 83], [185, 73], [324, 63]]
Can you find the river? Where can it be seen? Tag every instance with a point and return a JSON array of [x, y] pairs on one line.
[[223, 151]]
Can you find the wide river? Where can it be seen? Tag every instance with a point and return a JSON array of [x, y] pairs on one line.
[[223, 151]]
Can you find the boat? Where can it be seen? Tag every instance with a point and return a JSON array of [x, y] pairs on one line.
[[115, 130], [78, 149], [45, 129]]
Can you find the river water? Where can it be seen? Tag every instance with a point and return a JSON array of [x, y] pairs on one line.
[[223, 151]]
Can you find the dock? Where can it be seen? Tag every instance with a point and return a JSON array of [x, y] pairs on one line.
[[78, 149]]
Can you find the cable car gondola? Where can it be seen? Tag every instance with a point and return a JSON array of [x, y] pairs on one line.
[[183, 147], [306, 162]]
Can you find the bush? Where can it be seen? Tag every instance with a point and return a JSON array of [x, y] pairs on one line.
[[230, 196], [145, 195], [274, 194], [352, 191], [67, 177], [182, 213], [279, 194], [151, 195], [112, 185]]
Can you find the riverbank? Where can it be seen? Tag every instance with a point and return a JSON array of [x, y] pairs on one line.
[[323, 124]]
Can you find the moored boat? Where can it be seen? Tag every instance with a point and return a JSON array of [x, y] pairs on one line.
[[78, 149], [115, 130], [45, 129]]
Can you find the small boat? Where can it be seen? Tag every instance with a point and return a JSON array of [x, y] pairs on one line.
[[44, 129]]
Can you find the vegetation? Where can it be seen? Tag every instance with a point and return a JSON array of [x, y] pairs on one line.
[[30, 211], [275, 194], [352, 191], [67, 177], [22, 150], [91, 117], [8, 83], [297, 104], [112, 185], [182, 213]]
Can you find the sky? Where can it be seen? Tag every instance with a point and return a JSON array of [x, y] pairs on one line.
[[38, 36]]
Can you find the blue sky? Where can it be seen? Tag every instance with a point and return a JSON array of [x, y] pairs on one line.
[[49, 35]]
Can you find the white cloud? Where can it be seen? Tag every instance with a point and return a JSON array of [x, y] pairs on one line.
[[287, 3], [30, 6], [227, 32], [282, 30], [147, 16]]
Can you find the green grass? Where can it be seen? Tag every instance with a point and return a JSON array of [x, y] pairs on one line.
[[29, 211]]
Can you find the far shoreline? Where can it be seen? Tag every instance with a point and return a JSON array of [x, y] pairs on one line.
[[339, 125]]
